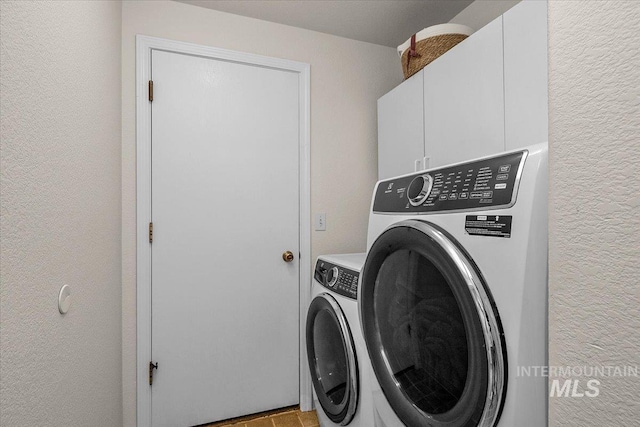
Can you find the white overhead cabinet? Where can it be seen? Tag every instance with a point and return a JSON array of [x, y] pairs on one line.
[[401, 128], [464, 100], [486, 95], [525, 74]]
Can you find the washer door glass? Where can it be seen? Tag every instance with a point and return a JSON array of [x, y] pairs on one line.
[[332, 359], [431, 329]]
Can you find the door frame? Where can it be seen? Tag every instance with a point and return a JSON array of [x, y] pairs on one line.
[[144, 47]]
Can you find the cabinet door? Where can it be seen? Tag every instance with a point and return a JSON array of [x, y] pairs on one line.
[[464, 99], [401, 128], [525, 74]]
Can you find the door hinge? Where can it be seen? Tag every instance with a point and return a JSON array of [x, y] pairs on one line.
[[151, 90], [150, 232], [152, 366]]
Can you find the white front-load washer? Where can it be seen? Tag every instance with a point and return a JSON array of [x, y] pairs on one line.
[[453, 294], [335, 347]]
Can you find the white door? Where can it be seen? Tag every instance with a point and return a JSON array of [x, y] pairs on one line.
[[225, 308]]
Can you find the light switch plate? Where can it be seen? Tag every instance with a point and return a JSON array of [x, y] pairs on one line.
[[321, 221]]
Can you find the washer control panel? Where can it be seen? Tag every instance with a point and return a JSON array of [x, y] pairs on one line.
[[480, 184], [338, 279]]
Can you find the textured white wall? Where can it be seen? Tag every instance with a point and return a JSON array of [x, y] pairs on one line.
[[594, 283], [61, 213], [347, 78]]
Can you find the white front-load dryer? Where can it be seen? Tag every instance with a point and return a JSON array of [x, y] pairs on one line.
[[453, 294], [335, 347]]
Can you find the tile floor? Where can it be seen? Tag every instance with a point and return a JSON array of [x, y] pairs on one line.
[[287, 417]]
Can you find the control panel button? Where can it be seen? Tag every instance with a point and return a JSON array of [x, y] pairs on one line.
[[332, 277], [419, 189]]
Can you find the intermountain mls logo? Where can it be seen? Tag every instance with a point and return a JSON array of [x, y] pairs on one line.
[[576, 381]]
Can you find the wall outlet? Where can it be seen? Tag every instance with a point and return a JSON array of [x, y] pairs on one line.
[[321, 221]]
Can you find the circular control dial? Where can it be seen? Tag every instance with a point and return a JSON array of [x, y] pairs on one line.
[[332, 277], [419, 189]]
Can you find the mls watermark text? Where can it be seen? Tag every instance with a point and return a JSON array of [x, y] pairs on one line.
[[576, 381]]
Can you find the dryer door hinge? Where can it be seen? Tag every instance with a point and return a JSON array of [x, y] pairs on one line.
[[150, 232], [152, 366], [151, 90]]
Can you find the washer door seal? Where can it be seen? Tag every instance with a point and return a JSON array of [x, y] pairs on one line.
[[332, 359], [432, 330]]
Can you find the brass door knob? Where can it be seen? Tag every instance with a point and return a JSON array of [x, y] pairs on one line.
[[287, 256]]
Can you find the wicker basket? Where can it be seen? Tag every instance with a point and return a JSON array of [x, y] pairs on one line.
[[427, 45]]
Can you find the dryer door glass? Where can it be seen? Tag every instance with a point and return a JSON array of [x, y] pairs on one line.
[[332, 359], [431, 329], [422, 331]]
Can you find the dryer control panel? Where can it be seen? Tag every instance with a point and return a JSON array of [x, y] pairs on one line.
[[338, 279], [480, 184]]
